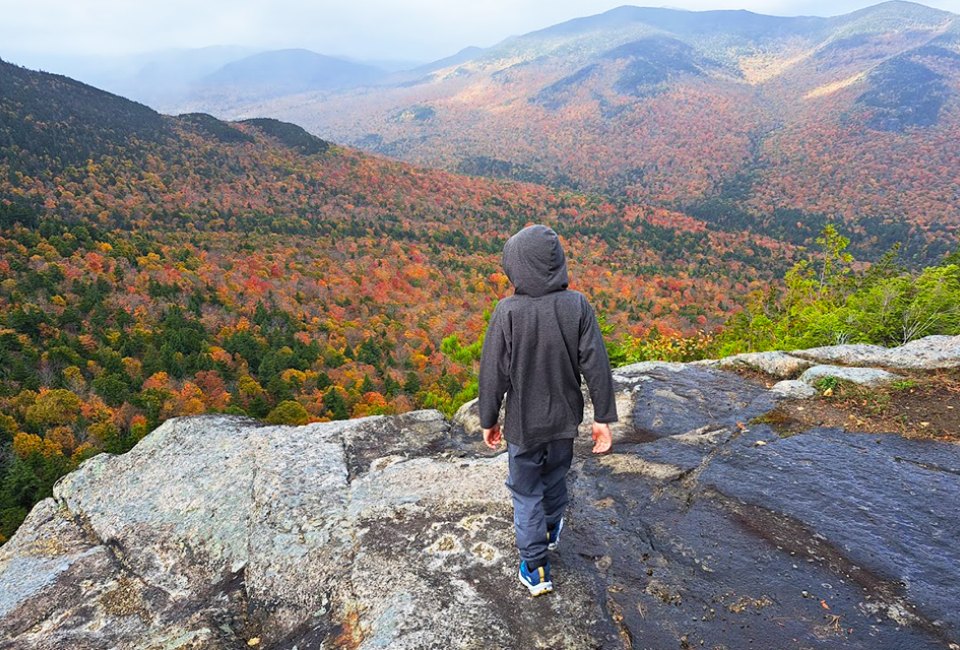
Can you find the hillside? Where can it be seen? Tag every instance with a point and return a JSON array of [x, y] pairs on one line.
[[155, 266], [745, 120], [726, 516], [276, 73], [156, 78]]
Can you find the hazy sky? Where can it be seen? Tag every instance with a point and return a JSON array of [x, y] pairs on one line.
[[408, 29]]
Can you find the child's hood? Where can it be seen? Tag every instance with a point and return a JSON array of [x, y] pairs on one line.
[[534, 261]]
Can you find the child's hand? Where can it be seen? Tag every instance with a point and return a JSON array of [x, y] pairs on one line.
[[602, 440], [492, 436]]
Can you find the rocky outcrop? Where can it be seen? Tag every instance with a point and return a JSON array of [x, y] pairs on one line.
[[775, 364], [858, 363], [930, 353], [862, 376], [702, 529]]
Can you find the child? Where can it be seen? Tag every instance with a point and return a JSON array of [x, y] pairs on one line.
[[538, 343]]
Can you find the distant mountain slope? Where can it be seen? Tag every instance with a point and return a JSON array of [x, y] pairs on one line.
[[750, 121], [290, 71], [176, 264], [277, 73], [154, 78], [164, 78], [50, 119], [70, 150], [464, 55]]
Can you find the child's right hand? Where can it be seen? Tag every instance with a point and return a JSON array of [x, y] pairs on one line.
[[602, 439]]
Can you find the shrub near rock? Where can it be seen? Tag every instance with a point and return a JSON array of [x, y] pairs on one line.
[[288, 412]]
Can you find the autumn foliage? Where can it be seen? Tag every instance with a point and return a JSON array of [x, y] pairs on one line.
[[153, 267]]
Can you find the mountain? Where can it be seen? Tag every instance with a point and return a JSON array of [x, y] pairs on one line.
[[159, 79], [277, 73], [163, 76], [728, 515], [745, 120], [154, 266], [463, 56], [177, 81]]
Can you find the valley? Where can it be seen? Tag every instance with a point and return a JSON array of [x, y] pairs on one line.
[[775, 125], [155, 266], [326, 244]]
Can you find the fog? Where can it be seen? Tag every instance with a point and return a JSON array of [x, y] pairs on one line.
[[42, 32]]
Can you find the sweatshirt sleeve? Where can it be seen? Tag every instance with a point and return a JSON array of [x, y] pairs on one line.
[[494, 377], [595, 366]]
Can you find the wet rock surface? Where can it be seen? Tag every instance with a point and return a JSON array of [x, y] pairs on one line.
[[672, 402], [701, 530]]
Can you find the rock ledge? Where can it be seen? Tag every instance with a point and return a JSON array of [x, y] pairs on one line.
[[701, 530]]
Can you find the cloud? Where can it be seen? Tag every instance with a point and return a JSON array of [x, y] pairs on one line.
[[411, 29]]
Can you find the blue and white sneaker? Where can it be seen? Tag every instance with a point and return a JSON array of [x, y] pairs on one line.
[[553, 536], [538, 580]]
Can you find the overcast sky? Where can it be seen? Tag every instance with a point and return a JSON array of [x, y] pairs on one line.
[[371, 29]]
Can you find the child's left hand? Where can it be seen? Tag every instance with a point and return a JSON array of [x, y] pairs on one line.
[[492, 436]]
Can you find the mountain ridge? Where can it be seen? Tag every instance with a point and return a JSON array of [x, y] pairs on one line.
[[812, 105], [153, 266]]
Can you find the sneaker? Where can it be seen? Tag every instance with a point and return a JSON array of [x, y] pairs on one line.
[[538, 580], [553, 536]]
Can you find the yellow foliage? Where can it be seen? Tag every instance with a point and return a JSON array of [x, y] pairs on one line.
[[26, 444], [94, 368], [133, 367], [249, 387], [100, 431], [8, 425], [23, 401], [150, 261], [419, 360], [292, 375], [54, 407], [81, 451], [192, 406], [74, 378], [49, 252]]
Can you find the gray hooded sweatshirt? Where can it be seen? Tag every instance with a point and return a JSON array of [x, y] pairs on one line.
[[538, 343]]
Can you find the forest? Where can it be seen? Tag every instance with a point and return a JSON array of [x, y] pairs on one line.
[[153, 266], [854, 123]]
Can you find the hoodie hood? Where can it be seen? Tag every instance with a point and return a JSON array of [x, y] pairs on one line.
[[533, 259]]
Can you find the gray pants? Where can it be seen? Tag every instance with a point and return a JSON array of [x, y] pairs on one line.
[[538, 483]]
